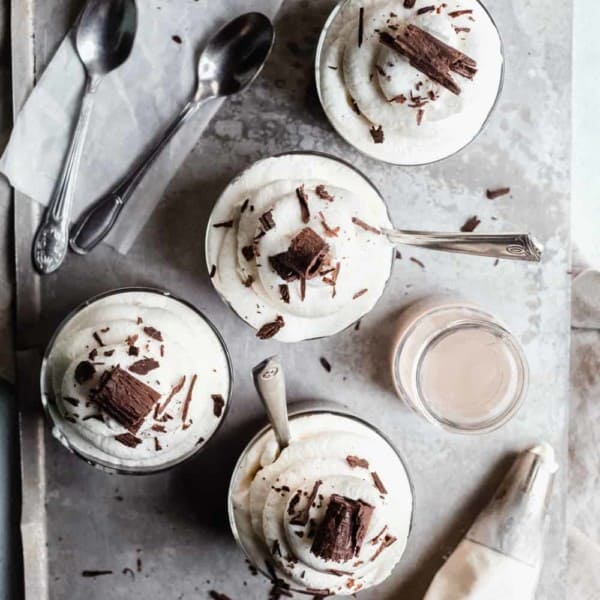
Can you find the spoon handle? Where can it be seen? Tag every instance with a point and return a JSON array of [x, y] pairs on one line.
[[97, 222], [270, 385], [514, 246], [51, 239]]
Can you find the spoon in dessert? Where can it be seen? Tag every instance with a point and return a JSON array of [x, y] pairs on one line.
[[230, 62], [270, 385], [103, 41]]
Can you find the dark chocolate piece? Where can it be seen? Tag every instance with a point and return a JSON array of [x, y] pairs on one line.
[[268, 330], [92, 573], [431, 56], [306, 252], [128, 439], [360, 293], [493, 194], [400, 99], [125, 398], [284, 292], [248, 252], [133, 351], [420, 114], [132, 339], [218, 404], [459, 13], [365, 226], [176, 39], [97, 337], [417, 262], [325, 364], [279, 265], [84, 371], [302, 516], [426, 9], [159, 428], [71, 401], [329, 231], [143, 366], [188, 398], [153, 333], [377, 134], [157, 445], [267, 221], [342, 531], [226, 224], [109, 353], [361, 25], [387, 541], [470, 224], [248, 281], [92, 355], [302, 288], [213, 271], [356, 461], [323, 193], [378, 483], [409, 3], [244, 205], [303, 199]]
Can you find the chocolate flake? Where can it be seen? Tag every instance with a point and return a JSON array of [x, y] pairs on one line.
[[302, 288], [225, 224], [470, 224], [248, 252], [329, 231], [303, 199], [248, 281], [360, 293], [97, 337], [375, 538], [293, 502], [355, 106], [378, 483], [431, 56], [126, 570], [400, 99], [302, 516], [92, 573], [218, 596], [323, 193], [92, 355], [132, 339], [387, 541], [342, 531], [459, 13], [361, 25], [462, 29], [398, 255], [213, 271], [420, 114], [417, 262], [109, 353], [177, 39], [159, 428], [128, 439], [409, 3], [133, 351], [365, 226], [325, 364], [84, 371], [218, 404], [188, 398], [493, 194], [426, 9], [153, 333], [284, 292], [268, 330], [125, 398], [71, 401], [278, 264], [267, 221], [144, 366], [356, 461], [275, 548], [174, 391], [377, 134]]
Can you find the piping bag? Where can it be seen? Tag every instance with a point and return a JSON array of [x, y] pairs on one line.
[[501, 555]]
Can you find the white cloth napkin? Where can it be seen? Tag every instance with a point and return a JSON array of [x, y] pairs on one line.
[[132, 106]]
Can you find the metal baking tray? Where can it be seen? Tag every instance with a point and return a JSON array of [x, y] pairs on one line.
[[166, 535]]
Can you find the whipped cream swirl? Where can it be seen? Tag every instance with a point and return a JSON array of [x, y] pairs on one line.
[[157, 346], [308, 202], [281, 502], [403, 106]]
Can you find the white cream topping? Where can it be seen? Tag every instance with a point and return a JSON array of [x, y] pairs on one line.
[[266, 486], [371, 86], [186, 350], [252, 286]]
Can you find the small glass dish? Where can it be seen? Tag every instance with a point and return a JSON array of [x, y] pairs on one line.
[[69, 436]]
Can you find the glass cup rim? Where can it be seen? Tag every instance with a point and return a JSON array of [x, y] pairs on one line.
[[304, 153], [486, 321], [317, 73], [45, 396], [297, 410]]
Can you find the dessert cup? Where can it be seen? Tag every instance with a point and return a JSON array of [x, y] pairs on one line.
[[390, 110], [258, 219], [458, 366], [135, 381], [335, 452]]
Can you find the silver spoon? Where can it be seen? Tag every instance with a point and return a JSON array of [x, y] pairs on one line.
[[229, 63], [514, 246], [103, 41], [270, 385]]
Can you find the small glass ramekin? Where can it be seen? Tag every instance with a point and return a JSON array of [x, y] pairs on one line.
[[57, 422], [425, 324]]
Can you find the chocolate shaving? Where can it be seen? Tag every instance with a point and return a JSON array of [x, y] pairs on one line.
[[493, 194], [323, 193], [325, 364], [71, 401], [342, 531], [378, 483], [244, 205], [293, 502], [361, 25], [213, 271], [275, 549], [375, 538], [248, 281], [284, 292], [398, 255], [459, 13], [128, 439], [268, 330], [431, 56], [302, 288], [377, 134], [417, 262], [360, 293], [267, 220], [153, 333], [248, 252], [92, 355], [329, 231], [144, 366], [365, 226], [400, 99], [188, 398], [355, 461], [133, 351], [409, 3], [159, 428], [218, 404], [355, 106], [470, 224], [225, 224], [84, 371], [157, 445], [420, 114], [109, 353], [132, 339], [278, 263], [462, 29], [90, 573], [125, 398], [97, 337], [303, 199], [426, 9], [387, 541], [302, 516]]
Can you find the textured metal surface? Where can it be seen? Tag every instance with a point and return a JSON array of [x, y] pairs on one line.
[[175, 523]]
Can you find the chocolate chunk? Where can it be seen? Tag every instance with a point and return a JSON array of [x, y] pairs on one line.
[[398, 255], [387, 541], [306, 253], [431, 56], [132, 339], [109, 353], [329, 231], [470, 224], [342, 531], [213, 271], [92, 355], [361, 25], [399, 99], [248, 281], [248, 252], [144, 366], [303, 199], [323, 193], [268, 330], [302, 288], [125, 398], [98, 339], [157, 445], [267, 220], [493, 194], [133, 351], [174, 391], [459, 13], [360, 293], [244, 205], [218, 596], [325, 364], [360, 223], [409, 3], [159, 428], [417, 262], [303, 515], [218, 404], [355, 461], [153, 333], [378, 483], [284, 292], [176, 39], [377, 134], [188, 398], [128, 439], [426, 9], [420, 114], [355, 107], [225, 224], [71, 401], [91, 573], [84, 371], [294, 502], [279, 265]]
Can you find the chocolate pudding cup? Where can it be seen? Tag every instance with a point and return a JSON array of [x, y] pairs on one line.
[[135, 381], [358, 464]]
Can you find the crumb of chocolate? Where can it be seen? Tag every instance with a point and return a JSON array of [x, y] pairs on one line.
[[398, 255], [109, 352], [284, 292], [158, 427], [225, 224], [470, 224], [325, 364], [188, 398], [378, 483], [92, 355], [84, 371], [496, 193], [409, 3], [176, 39], [329, 231], [417, 262], [128, 439], [218, 404], [357, 325], [133, 351], [153, 333], [248, 252], [213, 271], [248, 281], [98, 339], [356, 461], [377, 134], [426, 9], [143, 366], [95, 573], [323, 193], [267, 221], [360, 293], [303, 199]]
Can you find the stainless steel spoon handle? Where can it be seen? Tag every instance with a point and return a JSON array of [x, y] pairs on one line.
[[270, 385], [514, 246], [51, 240], [96, 223]]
